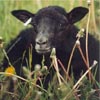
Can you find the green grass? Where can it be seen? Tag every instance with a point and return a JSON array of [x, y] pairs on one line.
[[59, 88], [28, 89]]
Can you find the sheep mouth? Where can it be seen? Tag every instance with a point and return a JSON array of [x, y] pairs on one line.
[[43, 51]]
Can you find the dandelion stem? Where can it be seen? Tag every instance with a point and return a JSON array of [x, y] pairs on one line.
[[70, 59], [87, 28], [64, 69], [7, 57]]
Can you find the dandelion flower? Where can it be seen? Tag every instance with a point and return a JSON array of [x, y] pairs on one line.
[[10, 70]]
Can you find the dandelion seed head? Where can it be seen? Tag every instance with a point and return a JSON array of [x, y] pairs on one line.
[[89, 2], [95, 62], [37, 67], [82, 29], [78, 42]]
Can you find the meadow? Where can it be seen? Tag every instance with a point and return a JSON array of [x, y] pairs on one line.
[[67, 90]]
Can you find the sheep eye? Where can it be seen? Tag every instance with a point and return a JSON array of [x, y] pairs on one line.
[[60, 25]]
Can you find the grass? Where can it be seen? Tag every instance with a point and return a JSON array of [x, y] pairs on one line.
[[61, 87]]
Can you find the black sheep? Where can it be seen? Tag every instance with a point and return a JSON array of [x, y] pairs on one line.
[[52, 27]]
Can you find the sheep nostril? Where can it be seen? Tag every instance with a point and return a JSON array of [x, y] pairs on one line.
[[41, 41]]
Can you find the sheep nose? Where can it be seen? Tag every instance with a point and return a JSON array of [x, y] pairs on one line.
[[41, 41]]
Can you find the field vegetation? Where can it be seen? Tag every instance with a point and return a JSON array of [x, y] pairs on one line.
[[61, 87]]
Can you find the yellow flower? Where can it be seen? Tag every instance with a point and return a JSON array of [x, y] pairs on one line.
[[11, 70]]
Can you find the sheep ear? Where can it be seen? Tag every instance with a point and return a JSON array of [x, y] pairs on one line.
[[23, 15], [77, 14]]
